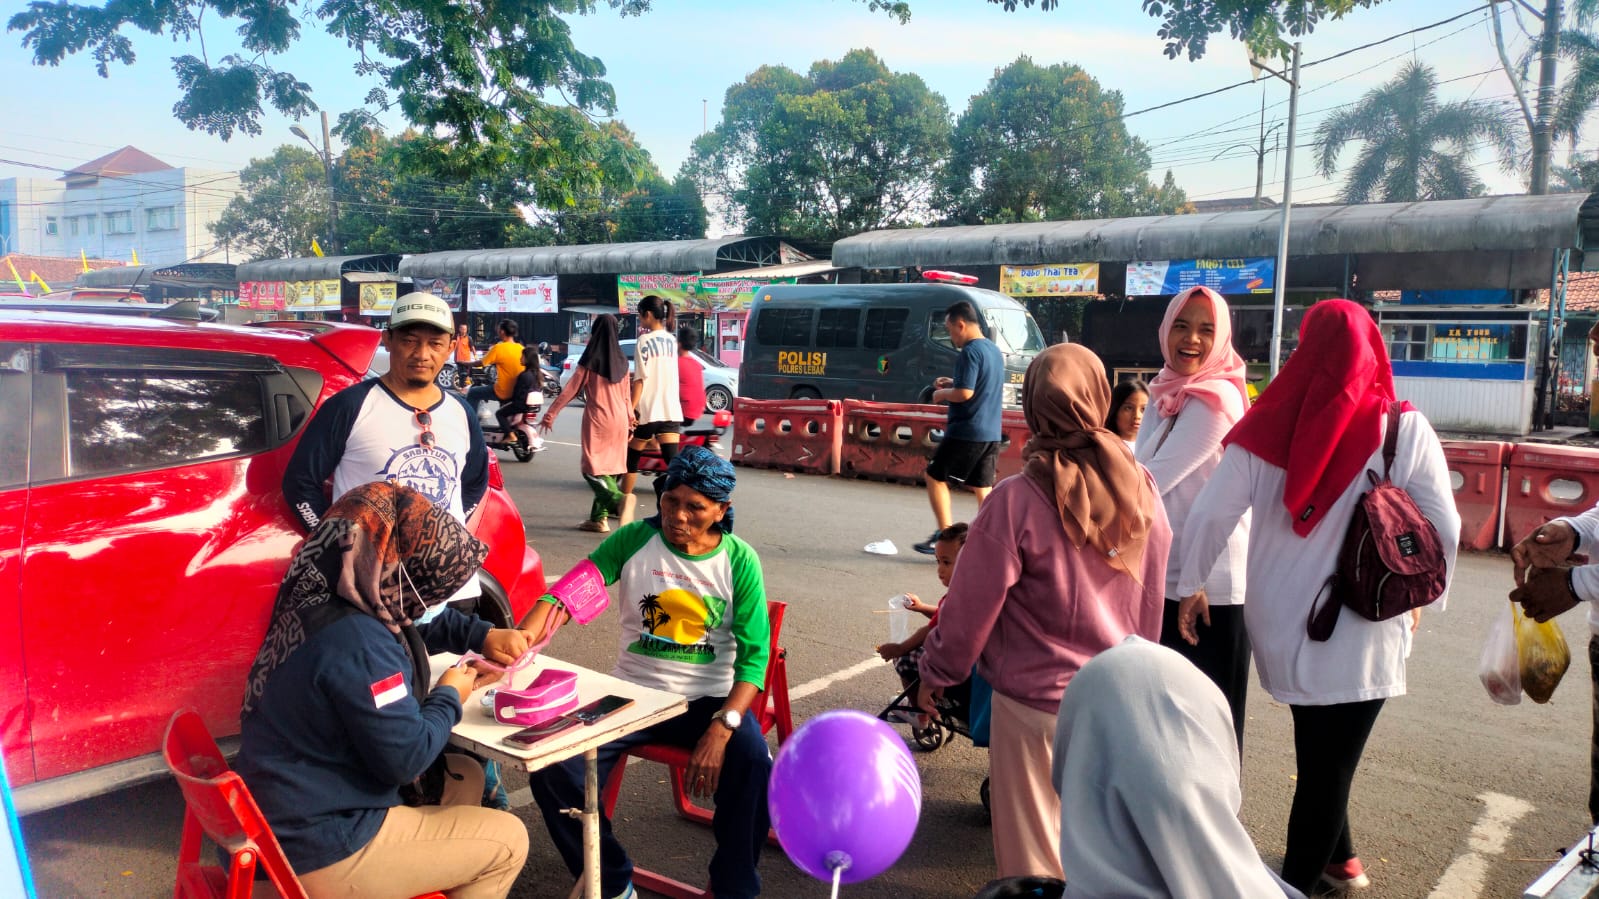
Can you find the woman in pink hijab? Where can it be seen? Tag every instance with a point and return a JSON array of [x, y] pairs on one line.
[[1195, 400]]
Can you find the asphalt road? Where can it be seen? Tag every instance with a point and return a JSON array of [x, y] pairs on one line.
[[1457, 797]]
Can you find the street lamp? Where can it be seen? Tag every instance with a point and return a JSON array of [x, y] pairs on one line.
[[326, 153], [1288, 203]]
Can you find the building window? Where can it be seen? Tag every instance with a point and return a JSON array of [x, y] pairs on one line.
[[119, 222], [158, 219], [72, 225], [51, 226], [88, 224], [1407, 343]]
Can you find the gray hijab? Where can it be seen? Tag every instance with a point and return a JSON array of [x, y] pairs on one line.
[[1146, 765]]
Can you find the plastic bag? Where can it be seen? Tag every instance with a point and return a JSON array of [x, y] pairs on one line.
[[1499, 667], [1544, 655]]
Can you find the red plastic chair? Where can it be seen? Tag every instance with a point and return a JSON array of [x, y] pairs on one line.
[[770, 708], [219, 806]]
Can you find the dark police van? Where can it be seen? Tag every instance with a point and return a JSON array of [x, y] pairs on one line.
[[884, 342]]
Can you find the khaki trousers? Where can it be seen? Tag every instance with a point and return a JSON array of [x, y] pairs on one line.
[[1025, 808], [457, 848]]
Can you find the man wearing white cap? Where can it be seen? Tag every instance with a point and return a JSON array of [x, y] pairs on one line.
[[401, 427]]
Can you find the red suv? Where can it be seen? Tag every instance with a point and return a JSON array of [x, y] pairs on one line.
[[143, 530]]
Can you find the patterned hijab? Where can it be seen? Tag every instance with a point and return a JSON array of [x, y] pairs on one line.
[[1104, 496], [382, 550]]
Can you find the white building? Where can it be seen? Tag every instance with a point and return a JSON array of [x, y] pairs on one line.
[[123, 203]]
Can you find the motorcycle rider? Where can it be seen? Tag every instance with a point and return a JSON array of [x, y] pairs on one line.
[[527, 395]]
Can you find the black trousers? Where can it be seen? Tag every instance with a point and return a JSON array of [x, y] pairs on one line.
[[1593, 759], [1223, 654], [1328, 742]]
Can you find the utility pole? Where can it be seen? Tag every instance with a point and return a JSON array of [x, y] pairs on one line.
[[326, 152], [1543, 134]]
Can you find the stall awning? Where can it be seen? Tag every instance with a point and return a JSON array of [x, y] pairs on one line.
[[1483, 224], [131, 275], [706, 256], [316, 268]]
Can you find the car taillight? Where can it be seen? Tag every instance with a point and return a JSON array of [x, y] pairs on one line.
[[496, 479]]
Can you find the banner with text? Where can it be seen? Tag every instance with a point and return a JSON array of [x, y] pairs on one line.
[[1225, 276], [264, 295], [679, 289], [512, 295], [1077, 279], [731, 294], [378, 299]]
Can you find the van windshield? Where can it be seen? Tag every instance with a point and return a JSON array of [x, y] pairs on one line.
[[1015, 331]]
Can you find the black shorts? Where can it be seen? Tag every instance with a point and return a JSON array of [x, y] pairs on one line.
[[965, 462], [649, 430]]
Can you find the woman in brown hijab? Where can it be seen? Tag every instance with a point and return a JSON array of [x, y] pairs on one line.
[[1070, 559]]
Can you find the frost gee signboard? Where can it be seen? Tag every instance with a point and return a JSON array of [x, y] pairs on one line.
[[1225, 276], [512, 295]]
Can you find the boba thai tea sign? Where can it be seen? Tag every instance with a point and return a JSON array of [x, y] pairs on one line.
[[794, 362], [1225, 276], [1063, 280]]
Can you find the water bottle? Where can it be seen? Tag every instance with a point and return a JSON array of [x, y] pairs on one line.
[[899, 618]]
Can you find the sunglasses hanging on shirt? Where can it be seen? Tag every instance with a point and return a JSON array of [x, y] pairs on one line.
[[424, 420]]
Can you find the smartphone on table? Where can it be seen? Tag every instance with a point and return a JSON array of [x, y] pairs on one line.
[[599, 708], [527, 736]]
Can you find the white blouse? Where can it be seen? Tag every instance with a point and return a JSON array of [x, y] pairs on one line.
[[1363, 659], [1182, 465]]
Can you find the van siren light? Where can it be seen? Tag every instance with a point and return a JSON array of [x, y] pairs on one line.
[[948, 277]]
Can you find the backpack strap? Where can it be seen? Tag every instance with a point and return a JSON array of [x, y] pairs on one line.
[[1390, 440]]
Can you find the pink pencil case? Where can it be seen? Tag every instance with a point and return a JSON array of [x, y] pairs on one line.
[[582, 592], [552, 694]]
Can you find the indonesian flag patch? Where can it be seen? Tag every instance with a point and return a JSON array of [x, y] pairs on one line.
[[388, 690]]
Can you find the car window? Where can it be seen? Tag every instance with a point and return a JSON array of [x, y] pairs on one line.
[[710, 361], [149, 419], [1014, 331], [937, 330], [14, 390], [885, 328], [838, 328], [784, 327]]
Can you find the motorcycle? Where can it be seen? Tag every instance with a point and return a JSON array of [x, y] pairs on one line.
[[521, 438], [706, 435]]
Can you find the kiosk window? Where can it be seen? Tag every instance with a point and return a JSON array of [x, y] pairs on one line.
[[885, 328]]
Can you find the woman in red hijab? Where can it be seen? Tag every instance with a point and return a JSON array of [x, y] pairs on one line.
[[1295, 462], [1194, 402]]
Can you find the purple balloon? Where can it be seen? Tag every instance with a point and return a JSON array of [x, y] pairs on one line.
[[844, 793]]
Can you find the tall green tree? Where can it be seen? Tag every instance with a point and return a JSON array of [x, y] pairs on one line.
[[1047, 143], [848, 147], [1414, 147], [1187, 25], [282, 205]]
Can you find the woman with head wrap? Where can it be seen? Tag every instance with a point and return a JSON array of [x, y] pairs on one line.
[[1147, 772], [693, 619], [338, 717], [1062, 561], [1297, 463], [601, 379], [1195, 400]]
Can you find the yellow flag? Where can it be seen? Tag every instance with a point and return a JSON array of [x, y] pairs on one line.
[[17, 277], [85, 257], [316, 248], [34, 276], [135, 257]]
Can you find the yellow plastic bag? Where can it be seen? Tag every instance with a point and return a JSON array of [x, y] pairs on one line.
[[1543, 653]]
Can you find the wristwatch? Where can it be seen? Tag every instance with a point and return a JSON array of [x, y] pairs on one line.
[[729, 718]]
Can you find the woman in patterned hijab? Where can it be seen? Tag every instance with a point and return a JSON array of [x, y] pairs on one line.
[[340, 733]]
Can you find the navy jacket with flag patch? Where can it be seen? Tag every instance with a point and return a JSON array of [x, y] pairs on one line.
[[339, 731]]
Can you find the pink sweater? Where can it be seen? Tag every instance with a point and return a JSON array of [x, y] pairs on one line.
[[1030, 609]]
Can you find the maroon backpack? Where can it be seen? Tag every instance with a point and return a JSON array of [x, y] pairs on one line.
[[1392, 560]]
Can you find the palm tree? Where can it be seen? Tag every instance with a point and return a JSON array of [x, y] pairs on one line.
[[1413, 146]]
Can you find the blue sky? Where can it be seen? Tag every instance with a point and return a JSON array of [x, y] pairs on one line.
[[673, 65]]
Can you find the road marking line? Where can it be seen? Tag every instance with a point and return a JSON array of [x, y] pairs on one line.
[[1466, 874], [812, 687]]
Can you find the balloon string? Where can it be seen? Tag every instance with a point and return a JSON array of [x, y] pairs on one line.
[[838, 874]]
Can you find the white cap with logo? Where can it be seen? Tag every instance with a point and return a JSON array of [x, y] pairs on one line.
[[421, 309]]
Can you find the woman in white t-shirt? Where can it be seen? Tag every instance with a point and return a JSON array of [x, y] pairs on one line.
[[1193, 402], [657, 411], [1298, 461]]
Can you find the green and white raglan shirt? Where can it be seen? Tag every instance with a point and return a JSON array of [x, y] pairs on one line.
[[691, 625]]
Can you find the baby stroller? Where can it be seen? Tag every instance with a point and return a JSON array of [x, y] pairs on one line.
[[962, 711]]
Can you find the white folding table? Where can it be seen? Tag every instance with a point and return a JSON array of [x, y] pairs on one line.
[[480, 733]]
